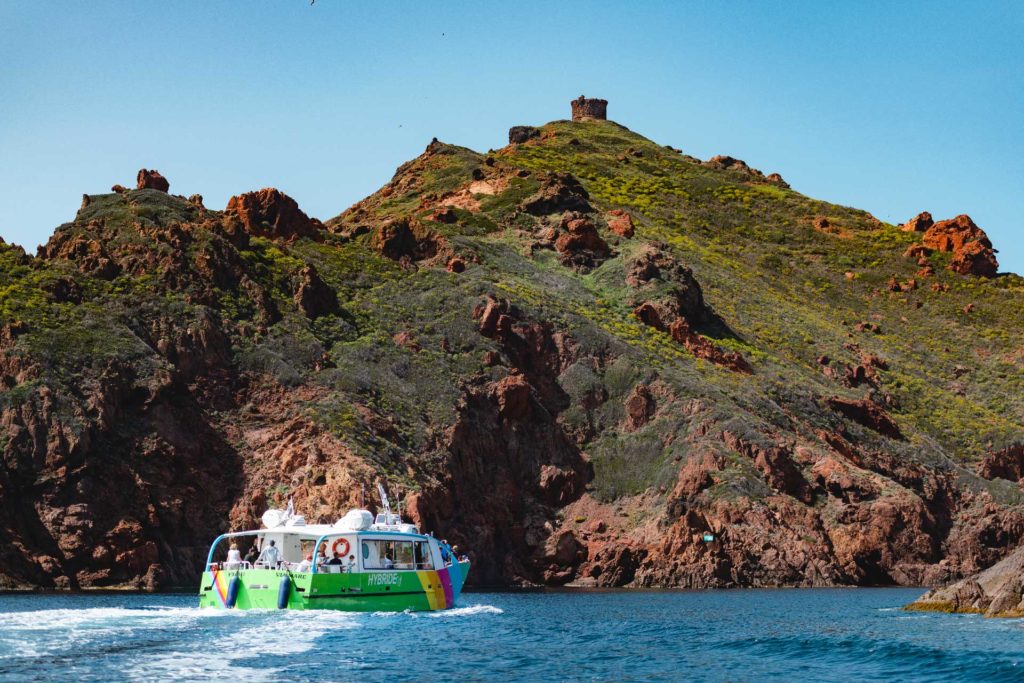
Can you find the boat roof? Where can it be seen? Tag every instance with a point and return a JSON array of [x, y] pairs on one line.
[[315, 531]]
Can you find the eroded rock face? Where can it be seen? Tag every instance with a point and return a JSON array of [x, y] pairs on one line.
[[670, 300], [621, 223], [152, 180], [972, 251], [407, 240], [271, 213], [653, 269], [996, 592], [520, 134], [640, 407], [868, 413], [313, 296], [1007, 463], [558, 192], [504, 511], [539, 352], [728, 163], [919, 223], [580, 245]]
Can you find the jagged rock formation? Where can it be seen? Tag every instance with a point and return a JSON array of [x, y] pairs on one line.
[[729, 163], [586, 358], [520, 134], [919, 223], [996, 592], [151, 180], [270, 213], [971, 249]]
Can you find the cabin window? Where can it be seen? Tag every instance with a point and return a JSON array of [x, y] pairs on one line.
[[380, 554], [423, 558]]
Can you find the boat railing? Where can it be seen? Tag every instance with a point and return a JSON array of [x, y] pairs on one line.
[[229, 566], [213, 546], [270, 565]]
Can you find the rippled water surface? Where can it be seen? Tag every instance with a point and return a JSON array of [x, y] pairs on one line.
[[784, 635]]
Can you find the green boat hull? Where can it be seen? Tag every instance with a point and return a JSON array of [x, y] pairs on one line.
[[376, 591]]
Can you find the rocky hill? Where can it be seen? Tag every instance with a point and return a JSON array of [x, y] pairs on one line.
[[584, 357]]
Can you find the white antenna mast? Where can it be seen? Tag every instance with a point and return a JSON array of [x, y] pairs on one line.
[[384, 502]]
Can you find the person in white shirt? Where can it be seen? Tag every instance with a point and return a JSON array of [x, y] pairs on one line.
[[305, 565], [234, 557], [271, 556]]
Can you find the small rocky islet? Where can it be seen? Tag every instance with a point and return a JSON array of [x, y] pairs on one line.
[[587, 358]]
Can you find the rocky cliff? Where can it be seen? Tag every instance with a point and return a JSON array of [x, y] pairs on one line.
[[585, 358], [996, 592]]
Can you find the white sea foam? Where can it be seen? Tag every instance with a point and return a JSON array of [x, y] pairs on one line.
[[454, 612], [54, 632], [218, 641], [470, 611], [257, 633]]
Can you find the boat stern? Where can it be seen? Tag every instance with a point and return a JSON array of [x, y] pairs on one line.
[[458, 571]]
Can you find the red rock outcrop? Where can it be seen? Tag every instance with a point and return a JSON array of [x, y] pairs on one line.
[[671, 301], [868, 413], [520, 134], [666, 284], [406, 239], [536, 350], [151, 180], [996, 592], [312, 295], [558, 192], [580, 245], [640, 407], [972, 251], [621, 223], [1007, 463], [776, 464], [271, 213], [512, 395], [919, 223]]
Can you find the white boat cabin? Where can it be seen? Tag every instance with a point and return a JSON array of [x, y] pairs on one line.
[[358, 542]]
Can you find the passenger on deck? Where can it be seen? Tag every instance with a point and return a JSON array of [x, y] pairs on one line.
[[252, 554], [351, 564], [336, 560], [305, 565], [271, 556], [234, 558]]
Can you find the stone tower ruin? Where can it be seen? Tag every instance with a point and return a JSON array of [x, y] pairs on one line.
[[589, 110]]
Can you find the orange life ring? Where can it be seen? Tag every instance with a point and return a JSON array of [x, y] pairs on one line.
[[343, 544]]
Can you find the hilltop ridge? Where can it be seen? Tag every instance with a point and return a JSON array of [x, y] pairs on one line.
[[587, 357]]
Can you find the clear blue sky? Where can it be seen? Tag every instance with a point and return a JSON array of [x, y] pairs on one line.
[[894, 107]]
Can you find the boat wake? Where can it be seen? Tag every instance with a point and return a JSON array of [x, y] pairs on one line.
[[469, 611], [222, 641]]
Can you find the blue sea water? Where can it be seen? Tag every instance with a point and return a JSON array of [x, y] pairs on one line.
[[741, 635]]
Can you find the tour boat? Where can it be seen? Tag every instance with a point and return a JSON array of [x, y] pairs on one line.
[[359, 564]]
